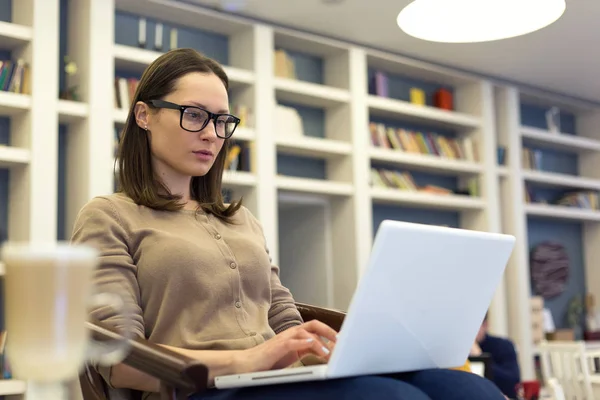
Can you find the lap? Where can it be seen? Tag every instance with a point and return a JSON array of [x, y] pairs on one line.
[[359, 388], [431, 384], [452, 385]]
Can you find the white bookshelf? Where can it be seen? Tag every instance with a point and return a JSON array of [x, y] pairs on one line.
[[71, 111], [426, 162], [14, 103], [337, 210], [13, 389], [559, 141], [14, 35], [11, 157], [386, 107], [32, 155], [426, 200], [313, 147], [517, 212], [560, 180], [310, 94]]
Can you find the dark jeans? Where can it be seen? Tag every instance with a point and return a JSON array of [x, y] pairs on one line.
[[434, 384]]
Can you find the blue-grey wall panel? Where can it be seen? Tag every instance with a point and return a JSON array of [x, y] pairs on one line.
[[6, 10], [557, 161], [4, 179], [535, 116], [308, 68], [313, 119], [415, 215], [301, 167], [211, 44], [61, 233], [569, 234]]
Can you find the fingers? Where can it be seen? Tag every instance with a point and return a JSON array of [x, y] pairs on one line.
[[319, 347], [320, 329]]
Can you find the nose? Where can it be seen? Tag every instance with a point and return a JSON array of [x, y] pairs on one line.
[[209, 133]]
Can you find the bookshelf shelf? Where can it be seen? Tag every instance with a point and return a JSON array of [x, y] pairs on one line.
[[313, 147], [314, 186], [310, 94], [244, 134], [562, 212], [559, 141], [10, 387], [71, 111], [391, 108], [426, 162], [135, 59], [425, 200], [560, 180], [502, 171], [13, 157], [13, 103], [239, 179], [14, 35]]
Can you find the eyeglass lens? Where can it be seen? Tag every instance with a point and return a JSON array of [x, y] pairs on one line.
[[194, 119]]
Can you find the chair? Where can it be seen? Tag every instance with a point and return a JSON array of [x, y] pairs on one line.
[[179, 375], [568, 365]]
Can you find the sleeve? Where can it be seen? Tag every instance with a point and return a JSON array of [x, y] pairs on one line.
[[505, 367], [98, 225], [283, 313]]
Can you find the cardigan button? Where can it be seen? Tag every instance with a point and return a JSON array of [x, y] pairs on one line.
[[232, 265], [238, 304], [217, 236]]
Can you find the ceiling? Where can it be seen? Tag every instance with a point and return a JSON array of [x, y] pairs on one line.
[[560, 58]]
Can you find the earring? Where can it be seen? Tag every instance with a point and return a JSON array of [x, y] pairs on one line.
[[146, 128]]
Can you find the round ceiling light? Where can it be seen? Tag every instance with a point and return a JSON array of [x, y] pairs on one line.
[[468, 21]]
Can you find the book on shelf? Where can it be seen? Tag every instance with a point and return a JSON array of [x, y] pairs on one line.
[[288, 121], [392, 179], [14, 76], [124, 91], [583, 199], [379, 84], [284, 65], [239, 157], [429, 143], [244, 113], [531, 159]]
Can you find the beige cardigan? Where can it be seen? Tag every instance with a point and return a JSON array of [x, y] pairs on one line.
[[191, 280]]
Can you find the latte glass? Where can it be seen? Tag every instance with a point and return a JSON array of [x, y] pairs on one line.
[[48, 295]]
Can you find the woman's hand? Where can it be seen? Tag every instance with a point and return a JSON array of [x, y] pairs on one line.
[[288, 347]]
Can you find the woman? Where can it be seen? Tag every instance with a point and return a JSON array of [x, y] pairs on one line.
[[197, 272]]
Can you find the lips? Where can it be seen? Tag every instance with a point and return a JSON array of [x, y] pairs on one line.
[[207, 153]]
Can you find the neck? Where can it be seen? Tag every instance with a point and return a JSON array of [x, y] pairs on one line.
[[176, 183]]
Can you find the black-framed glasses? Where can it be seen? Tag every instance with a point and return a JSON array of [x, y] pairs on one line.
[[194, 119]]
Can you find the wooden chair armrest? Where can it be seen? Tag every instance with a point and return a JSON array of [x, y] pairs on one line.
[[171, 368], [333, 318]]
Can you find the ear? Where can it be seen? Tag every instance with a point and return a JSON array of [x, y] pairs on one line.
[[141, 112]]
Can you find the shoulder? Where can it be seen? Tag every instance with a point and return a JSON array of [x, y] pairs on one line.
[[245, 217], [109, 207], [499, 343]]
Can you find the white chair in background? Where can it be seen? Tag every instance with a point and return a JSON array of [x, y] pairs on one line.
[[566, 369]]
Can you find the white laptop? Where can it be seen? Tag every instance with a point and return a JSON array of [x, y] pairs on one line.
[[418, 305]]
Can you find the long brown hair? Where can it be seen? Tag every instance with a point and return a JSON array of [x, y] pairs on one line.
[[136, 177]]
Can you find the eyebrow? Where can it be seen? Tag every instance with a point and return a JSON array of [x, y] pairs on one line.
[[195, 103]]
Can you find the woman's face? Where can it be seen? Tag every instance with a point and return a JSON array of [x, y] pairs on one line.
[[176, 152]]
